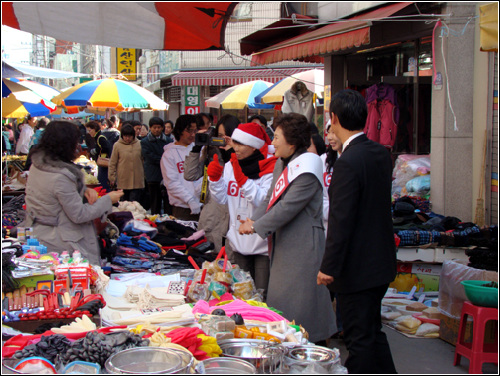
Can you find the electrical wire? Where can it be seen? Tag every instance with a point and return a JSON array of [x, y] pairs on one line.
[[455, 127]]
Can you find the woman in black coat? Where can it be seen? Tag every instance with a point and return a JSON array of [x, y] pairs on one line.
[[102, 148]]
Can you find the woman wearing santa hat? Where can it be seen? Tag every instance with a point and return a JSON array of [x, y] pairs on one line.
[[243, 184]]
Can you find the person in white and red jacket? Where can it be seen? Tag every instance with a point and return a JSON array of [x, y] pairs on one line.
[[183, 195], [243, 184]]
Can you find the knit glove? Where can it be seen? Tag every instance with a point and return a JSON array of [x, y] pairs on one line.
[[214, 169], [194, 206], [240, 177]]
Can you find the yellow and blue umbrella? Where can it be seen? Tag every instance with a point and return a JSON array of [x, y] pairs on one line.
[[20, 101], [240, 96], [313, 79], [110, 93]]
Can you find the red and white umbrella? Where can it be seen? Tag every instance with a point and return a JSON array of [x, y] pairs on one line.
[[149, 25]]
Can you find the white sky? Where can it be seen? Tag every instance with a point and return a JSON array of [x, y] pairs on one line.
[[16, 45]]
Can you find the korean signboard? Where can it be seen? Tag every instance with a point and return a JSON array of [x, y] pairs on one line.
[[192, 100], [126, 63]]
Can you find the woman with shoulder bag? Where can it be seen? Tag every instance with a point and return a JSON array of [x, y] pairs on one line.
[[59, 206], [100, 153]]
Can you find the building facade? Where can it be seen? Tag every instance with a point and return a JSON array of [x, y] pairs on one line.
[[431, 55]]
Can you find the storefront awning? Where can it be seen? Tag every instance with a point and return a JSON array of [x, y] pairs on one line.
[[275, 33], [341, 35], [488, 25], [233, 77], [158, 25]]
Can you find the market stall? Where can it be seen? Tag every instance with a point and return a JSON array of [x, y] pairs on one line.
[[163, 301]]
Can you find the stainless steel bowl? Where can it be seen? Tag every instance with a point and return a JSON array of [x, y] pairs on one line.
[[187, 361], [264, 355], [304, 355], [145, 360], [225, 366]]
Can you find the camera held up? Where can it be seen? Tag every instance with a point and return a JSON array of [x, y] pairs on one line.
[[207, 139]]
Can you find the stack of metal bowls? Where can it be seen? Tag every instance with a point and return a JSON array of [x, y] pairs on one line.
[[146, 360], [225, 366], [300, 357], [265, 356]]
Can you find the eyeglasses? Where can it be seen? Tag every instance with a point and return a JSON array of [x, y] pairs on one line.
[[191, 131]]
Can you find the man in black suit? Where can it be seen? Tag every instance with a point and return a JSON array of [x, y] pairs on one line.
[[360, 254]]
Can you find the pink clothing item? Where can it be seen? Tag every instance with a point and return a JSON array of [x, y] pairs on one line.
[[246, 310], [196, 236]]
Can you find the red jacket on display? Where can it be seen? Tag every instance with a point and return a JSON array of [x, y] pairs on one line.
[[381, 123]]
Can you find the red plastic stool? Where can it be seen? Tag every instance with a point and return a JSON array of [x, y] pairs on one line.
[[476, 351]]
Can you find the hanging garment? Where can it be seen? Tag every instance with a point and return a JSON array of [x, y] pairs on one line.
[[299, 99], [382, 121]]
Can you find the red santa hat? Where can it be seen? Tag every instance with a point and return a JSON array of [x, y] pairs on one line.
[[251, 134]]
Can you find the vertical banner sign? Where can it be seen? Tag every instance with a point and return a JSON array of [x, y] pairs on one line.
[[326, 107], [192, 100], [126, 63]]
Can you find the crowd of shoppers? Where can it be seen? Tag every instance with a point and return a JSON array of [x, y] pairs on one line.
[[291, 210]]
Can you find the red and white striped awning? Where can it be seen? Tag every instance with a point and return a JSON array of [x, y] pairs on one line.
[[233, 77]]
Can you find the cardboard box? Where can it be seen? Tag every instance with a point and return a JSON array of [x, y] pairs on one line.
[[32, 281], [422, 276], [434, 255], [444, 254], [448, 330], [415, 254]]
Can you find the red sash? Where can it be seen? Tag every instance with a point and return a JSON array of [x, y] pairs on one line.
[[304, 163]]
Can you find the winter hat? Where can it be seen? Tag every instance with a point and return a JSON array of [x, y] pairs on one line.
[[251, 134]]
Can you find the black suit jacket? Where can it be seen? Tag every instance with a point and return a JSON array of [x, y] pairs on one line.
[[360, 252]]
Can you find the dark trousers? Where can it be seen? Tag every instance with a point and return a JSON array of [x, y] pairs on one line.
[[102, 176], [257, 266], [132, 195], [369, 350], [167, 208], [155, 197], [184, 214]]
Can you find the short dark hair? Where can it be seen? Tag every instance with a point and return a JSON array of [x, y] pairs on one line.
[[127, 130], [156, 120], [59, 140], [350, 107], [296, 130], [181, 124], [170, 122], [260, 118], [93, 125], [229, 122]]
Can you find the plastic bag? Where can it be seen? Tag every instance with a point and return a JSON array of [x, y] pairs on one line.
[[451, 291], [140, 227], [407, 167], [420, 185]]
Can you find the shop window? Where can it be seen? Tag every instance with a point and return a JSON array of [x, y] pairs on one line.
[[397, 66], [173, 94]]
